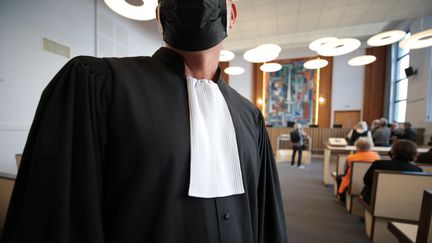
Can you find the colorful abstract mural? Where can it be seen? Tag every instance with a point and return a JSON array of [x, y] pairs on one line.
[[290, 94]]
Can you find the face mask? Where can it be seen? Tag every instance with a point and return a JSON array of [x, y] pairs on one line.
[[193, 25]]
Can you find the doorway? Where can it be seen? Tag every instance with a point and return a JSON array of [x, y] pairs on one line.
[[348, 119]]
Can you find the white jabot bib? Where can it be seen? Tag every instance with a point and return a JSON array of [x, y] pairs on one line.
[[215, 163]]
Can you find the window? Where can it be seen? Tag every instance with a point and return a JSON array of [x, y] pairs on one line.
[[399, 83]]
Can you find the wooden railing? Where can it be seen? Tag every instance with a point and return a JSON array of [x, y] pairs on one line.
[[319, 136]]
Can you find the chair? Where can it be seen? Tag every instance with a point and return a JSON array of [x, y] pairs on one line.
[[358, 170], [340, 170], [395, 196], [425, 167], [421, 232]]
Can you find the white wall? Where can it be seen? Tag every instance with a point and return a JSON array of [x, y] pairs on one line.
[[419, 86], [242, 83], [348, 84], [25, 68]]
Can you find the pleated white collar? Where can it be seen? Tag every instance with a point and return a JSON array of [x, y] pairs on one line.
[[215, 163]]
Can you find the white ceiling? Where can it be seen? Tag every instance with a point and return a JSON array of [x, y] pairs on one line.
[[295, 23]]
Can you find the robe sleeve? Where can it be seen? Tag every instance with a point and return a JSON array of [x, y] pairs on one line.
[[272, 227], [58, 191]]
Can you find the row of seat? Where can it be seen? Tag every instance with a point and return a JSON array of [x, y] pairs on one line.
[[396, 196]]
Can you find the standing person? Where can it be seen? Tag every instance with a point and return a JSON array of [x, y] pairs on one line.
[[381, 136], [403, 153], [150, 149], [360, 130], [364, 154], [297, 138]]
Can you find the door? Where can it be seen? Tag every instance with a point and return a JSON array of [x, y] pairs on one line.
[[348, 119]]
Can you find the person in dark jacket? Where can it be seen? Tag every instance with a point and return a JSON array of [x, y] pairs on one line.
[[409, 133], [403, 152], [425, 158]]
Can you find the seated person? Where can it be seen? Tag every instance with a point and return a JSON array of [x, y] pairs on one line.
[[363, 153], [394, 132], [425, 158], [360, 130], [381, 136], [403, 152], [374, 125], [408, 133]]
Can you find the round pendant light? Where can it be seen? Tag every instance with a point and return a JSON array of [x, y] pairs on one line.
[[234, 70], [340, 47], [134, 9], [272, 48], [271, 67], [362, 60], [226, 56], [315, 63], [321, 43], [419, 40], [386, 38], [262, 53]]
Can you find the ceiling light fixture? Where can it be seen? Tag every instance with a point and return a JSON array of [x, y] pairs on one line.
[[226, 56], [362, 60], [271, 67], [134, 9], [419, 40], [234, 70], [321, 43], [386, 38], [262, 53], [315, 63], [340, 47]]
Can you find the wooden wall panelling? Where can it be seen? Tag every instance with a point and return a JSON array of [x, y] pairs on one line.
[[319, 136], [325, 90], [257, 83], [375, 84]]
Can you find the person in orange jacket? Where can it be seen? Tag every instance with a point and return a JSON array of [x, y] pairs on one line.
[[363, 153]]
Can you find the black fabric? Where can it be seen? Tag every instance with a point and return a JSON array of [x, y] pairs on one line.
[[295, 136], [409, 134], [355, 135], [193, 25], [296, 148], [395, 164], [108, 160]]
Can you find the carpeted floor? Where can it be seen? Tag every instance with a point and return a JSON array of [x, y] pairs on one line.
[[311, 209]]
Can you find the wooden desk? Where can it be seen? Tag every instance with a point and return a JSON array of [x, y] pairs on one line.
[[406, 233], [331, 150]]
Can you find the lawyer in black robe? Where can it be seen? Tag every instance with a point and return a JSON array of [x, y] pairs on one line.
[[108, 160]]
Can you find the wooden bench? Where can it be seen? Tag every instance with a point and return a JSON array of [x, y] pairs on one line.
[[425, 167], [395, 196], [358, 170], [421, 232], [7, 182], [339, 170]]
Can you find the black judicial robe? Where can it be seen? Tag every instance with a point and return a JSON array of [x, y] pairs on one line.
[[108, 159]]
